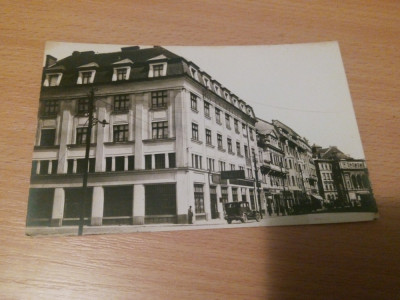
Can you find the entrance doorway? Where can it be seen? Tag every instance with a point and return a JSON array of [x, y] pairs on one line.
[[214, 202]]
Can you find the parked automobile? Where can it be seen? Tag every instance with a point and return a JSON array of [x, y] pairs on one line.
[[240, 211]]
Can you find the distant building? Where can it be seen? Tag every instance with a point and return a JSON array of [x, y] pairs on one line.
[[172, 130], [343, 180]]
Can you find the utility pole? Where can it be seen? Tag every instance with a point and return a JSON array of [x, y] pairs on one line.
[[257, 189], [91, 121]]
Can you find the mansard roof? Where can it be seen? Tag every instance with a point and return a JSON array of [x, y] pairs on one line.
[[139, 60]]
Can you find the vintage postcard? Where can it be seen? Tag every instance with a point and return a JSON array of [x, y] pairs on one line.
[[155, 138]]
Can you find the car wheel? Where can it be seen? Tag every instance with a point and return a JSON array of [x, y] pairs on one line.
[[257, 217], [244, 218]]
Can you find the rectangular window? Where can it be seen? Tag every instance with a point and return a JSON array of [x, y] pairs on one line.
[[219, 141], [121, 103], [147, 162], [131, 162], [86, 76], [218, 116], [224, 194], [158, 70], [108, 164], [159, 130], [160, 161], [70, 167], [54, 166], [47, 137], [120, 133], [44, 167], [236, 122], [210, 164], [119, 163], [49, 108], [80, 165], [227, 121], [206, 109], [199, 198], [83, 106], [229, 141], [81, 135], [193, 101], [196, 161], [232, 167], [121, 73], [195, 132], [208, 137], [244, 129], [238, 148], [172, 160], [234, 194], [246, 151], [159, 99], [221, 166], [92, 165]]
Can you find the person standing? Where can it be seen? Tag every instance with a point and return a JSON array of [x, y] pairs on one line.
[[190, 215]]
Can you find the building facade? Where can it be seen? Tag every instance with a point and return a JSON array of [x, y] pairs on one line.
[[343, 180], [169, 129]]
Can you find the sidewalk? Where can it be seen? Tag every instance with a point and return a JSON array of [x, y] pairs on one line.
[[323, 218]]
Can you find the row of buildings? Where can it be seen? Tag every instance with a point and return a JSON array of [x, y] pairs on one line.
[[165, 130]]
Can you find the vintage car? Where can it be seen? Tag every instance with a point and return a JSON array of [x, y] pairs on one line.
[[240, 211]]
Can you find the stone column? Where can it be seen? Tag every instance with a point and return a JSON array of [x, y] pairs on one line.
[[65, 138], [181, 131], [97, 206], [139, 123], [138, 204], [230, 196], [220, 205], [58, 207], [182, 199], [207, 200]]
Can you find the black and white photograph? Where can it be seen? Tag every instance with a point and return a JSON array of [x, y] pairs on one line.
[[164, 138]]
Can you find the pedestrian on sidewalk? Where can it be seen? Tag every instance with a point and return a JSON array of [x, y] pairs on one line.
[[190, 215]]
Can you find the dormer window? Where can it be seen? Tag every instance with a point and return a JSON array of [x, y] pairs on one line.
[[216, 89], [194, 73], [206, 82], [121, 73], [52, 79], [158, 70], [226, 96], [86, 77]]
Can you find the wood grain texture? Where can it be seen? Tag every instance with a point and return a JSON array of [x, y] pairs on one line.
[[325, 261]]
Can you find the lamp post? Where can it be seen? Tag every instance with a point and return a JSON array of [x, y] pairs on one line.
[[91, 121]]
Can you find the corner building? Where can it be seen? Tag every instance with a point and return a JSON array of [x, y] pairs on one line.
[[171, 130]]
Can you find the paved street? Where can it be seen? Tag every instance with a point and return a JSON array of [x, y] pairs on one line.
[[215, 224]]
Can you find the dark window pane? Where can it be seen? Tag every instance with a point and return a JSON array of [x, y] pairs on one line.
[[44, 167], [171, 158], [70, 166], [92, 165], [54, 167], [147, 161], [73, 200], [108, 164], [160, 199], [131, 162], [80, 165], [34, 167], [160, 161], [47, 137], [118, 201], [40, 206], [119, 163]]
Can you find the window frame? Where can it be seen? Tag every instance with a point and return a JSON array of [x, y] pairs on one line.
[[159, 99], [118, 100], [159, 127], [195, 132], [117, 130]]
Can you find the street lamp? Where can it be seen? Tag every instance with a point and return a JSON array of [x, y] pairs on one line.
[[91, 122]]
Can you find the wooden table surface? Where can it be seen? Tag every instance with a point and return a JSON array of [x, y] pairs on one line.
[[346, 261]]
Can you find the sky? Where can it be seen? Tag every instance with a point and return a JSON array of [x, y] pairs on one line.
[[302, 85]]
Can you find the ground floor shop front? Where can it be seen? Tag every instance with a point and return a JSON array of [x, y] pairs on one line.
[[148, 198]]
